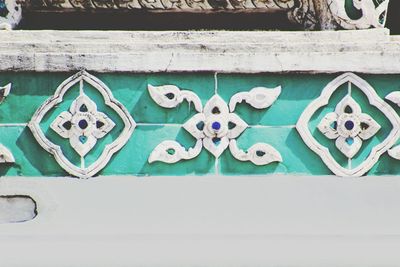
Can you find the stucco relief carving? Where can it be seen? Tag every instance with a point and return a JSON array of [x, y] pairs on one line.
[[311, 14], [10, 14], [216, 128], [5, 154], [339, 14], [348, 126], [394, 97], [372, 13], [83, 125], [4, 92]]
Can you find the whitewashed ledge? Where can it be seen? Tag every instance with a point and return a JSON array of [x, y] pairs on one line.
[[366, 51], [205, 221]]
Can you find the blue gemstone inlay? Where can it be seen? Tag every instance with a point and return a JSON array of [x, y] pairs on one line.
[[200, 126], [83, 124], [216, 141], [349, 125], [82, 139], [216, 125], [350, 141]]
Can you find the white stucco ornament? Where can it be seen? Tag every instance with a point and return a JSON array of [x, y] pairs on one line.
[[171, 152], [170, 96], [83, 124], [372, 15], [394, 97], [4, 92], [5, 155], [348, 126], [216, 126], [10, 14]]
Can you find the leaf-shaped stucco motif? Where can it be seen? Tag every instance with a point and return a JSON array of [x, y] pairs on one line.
[[348, 146], [216, 145], [195, 125], [328, 125], [4, 92], [5, 155], [60, 122], [171, 152], [348, 105], [238, 126], [259, 97], [369, 126], [216, 106], [259, 153], [170, 96]]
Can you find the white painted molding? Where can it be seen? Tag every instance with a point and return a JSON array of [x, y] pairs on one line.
[[109, 149], [373, 98], [214, 51]]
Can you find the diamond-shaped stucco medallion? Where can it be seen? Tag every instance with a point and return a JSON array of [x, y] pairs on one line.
[[351, 121], [82, 124]]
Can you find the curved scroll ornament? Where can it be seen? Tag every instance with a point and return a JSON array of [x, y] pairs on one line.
[[259, 154], [258, 97], [348, 126], [4, 92], [83, 125], [170, 96], [10, 14], [5, 154], [394, 97], [216, 127], [372, 15], [172, 152]]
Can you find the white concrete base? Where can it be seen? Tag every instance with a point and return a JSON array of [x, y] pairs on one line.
[[205, 221]]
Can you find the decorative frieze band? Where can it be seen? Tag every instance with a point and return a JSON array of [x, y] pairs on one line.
[[310, 14], [349, 126]]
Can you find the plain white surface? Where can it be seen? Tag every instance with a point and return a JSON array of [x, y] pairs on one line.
[[16, 209], [206, 221]]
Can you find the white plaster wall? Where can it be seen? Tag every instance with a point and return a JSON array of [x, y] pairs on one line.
[[206, 221]]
